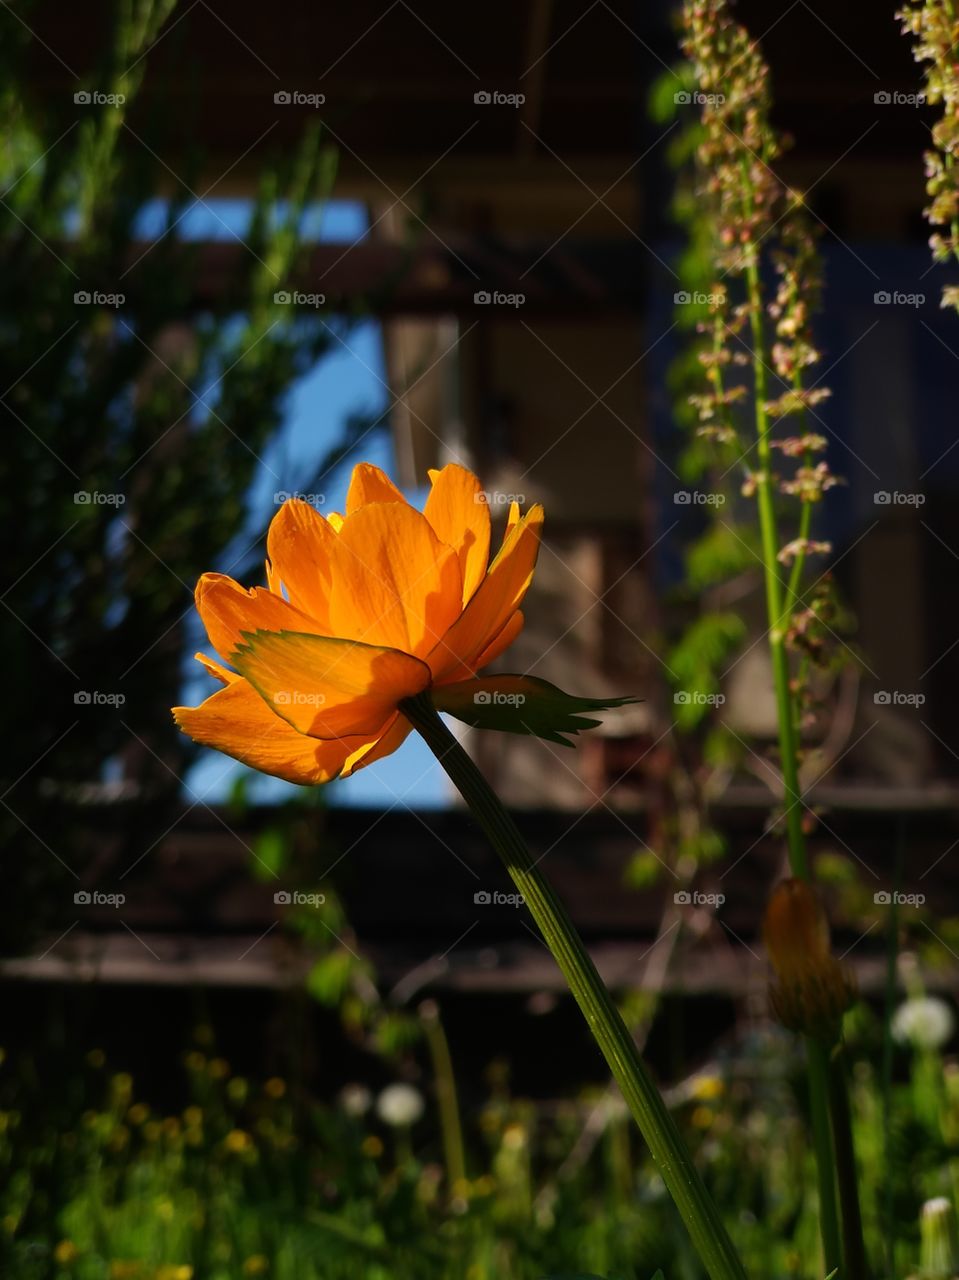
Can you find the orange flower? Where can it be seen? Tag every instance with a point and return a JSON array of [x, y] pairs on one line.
[[360, 612]]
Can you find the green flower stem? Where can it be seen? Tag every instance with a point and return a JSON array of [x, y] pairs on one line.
[[817, 1066], [817, 1075], [854, 1253], [454, 1151], [655, 1122]]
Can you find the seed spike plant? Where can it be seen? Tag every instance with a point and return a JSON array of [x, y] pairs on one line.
[[765, 428], [934, 26], [372, 623]]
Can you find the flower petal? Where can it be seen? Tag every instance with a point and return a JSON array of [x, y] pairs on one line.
[[394, 583], [497, 598], [227, 610], [370, 484], [502, 641], [236, 721], [216, 669], [299, 544], [458, 511], [328, 688], [385, 744]]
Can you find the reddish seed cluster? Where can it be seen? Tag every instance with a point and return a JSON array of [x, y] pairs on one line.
[[745, 211]]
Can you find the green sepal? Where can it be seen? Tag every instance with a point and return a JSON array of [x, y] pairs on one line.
[[521, 704]]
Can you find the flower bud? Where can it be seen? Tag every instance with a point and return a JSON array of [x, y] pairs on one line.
[[812, 991]]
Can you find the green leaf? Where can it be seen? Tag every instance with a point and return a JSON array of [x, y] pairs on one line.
[[521, 704], [270, 849]]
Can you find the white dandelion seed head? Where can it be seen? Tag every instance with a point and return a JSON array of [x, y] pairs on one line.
[[399, 1105], [925, 1022]]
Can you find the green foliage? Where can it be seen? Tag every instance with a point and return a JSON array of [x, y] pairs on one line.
[[522, 704], [229, 1178], [157, 408], [707, 645]]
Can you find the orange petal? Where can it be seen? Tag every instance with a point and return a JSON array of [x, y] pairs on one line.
[[394, 583], [501, 643], [512, 520], [216, 669], [459, 514], [227, 610], [335, 520], [497, 598], [299, 545], [385, 744], [237, 721], [328, 688], [370, 484]]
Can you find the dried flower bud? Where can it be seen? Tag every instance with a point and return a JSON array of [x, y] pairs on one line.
[[812, 991]]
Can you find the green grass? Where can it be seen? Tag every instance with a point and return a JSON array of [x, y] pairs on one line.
[[247, 1180]]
